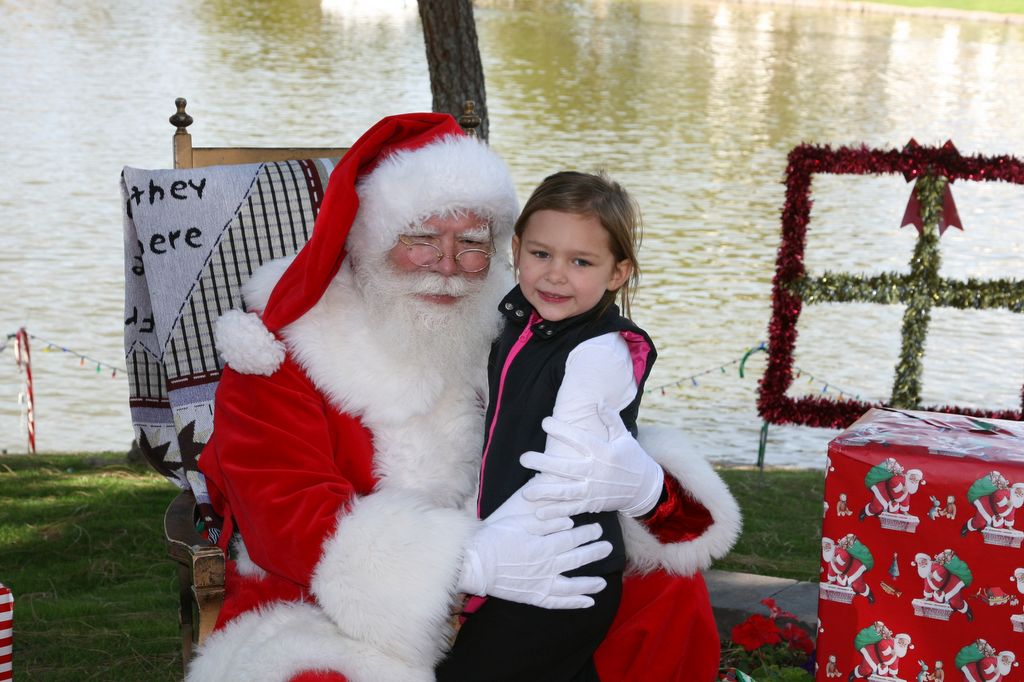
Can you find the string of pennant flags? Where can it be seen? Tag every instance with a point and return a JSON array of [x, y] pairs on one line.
[[83, 359], [826, 387], [740, 363], [21, 339], [23, 359], [721, 369]]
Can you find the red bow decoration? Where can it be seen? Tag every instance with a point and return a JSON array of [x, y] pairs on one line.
[[948, 216]]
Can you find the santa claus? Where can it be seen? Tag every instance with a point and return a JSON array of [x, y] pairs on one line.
[[848, 561], [891, 488], [347, 438], [881, 652], [995, 502], [946, 578], [979, 662]]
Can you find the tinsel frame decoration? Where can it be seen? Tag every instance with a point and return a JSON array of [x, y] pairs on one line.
[[919, 291]]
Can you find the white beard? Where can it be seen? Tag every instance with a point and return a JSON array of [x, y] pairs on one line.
[[415, 372], [454, 336]]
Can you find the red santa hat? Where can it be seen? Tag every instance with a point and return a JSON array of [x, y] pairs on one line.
[[402, 170]]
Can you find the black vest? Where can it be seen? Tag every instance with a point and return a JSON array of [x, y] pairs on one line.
[[528, 396]]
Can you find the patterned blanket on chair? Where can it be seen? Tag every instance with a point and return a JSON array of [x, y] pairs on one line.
[[192, 237]]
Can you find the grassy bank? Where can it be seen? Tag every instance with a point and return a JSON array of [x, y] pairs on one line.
[[81, 548], [781, 522], [95, 598]]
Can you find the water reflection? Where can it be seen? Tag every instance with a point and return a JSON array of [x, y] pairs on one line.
[[692, 105]]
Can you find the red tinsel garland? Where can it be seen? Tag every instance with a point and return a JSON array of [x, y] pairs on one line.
[[804, 161]]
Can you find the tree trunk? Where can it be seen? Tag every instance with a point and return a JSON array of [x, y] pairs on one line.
[[453, 58]]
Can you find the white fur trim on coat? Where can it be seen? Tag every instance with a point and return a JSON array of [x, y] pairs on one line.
[[246, 344], [673, 451], [285, 638], [387, 577], [256, 291], [455, 173]]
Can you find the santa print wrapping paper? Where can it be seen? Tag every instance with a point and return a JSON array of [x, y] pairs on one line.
[[922, 564], [6, 632]]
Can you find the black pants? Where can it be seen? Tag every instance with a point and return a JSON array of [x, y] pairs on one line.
[[506, 641]]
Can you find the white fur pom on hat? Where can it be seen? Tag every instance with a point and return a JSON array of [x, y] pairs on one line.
[[455, 173], [245, 344]]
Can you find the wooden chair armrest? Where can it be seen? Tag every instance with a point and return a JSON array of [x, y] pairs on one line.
[[183, 540], [200, 572]]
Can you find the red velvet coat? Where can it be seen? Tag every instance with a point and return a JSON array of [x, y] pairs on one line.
[[349, 488]]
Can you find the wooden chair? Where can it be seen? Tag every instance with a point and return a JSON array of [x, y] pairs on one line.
[[201, 563], [187, 156]]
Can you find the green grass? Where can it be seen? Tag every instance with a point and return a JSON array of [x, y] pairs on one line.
[[81, 547], [781, 522], [998, 6]]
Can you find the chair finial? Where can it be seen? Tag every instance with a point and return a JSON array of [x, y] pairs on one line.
[[180, 119], [469, 120]]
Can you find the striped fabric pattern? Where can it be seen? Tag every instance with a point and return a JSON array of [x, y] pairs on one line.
[[173, 363], [275, 221], [6, 633]]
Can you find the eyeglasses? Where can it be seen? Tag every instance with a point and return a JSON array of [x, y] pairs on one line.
[[425, 255]]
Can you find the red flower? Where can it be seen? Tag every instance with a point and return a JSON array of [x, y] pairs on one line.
[[797, 638], [774, 611], [756, 631]]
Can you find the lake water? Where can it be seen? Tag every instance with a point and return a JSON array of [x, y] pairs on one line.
[[692, 105]]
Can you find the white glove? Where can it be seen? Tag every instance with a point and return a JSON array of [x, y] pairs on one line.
[[593, 476], [521, 558]]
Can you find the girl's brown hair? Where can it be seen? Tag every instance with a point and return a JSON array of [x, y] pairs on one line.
[[594, 195]]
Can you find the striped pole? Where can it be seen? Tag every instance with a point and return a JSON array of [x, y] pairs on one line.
[[24, 359], [6, 633]]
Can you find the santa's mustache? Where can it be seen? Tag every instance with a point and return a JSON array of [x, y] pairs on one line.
[[433, 284]]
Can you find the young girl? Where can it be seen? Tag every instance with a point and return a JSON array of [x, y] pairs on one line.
[[567, 352]]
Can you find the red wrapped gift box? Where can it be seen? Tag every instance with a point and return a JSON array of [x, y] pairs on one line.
[[6, 632], [922, 565]]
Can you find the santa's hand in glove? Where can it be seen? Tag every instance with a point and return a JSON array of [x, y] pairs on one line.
[[521, 558], [584, 473]]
